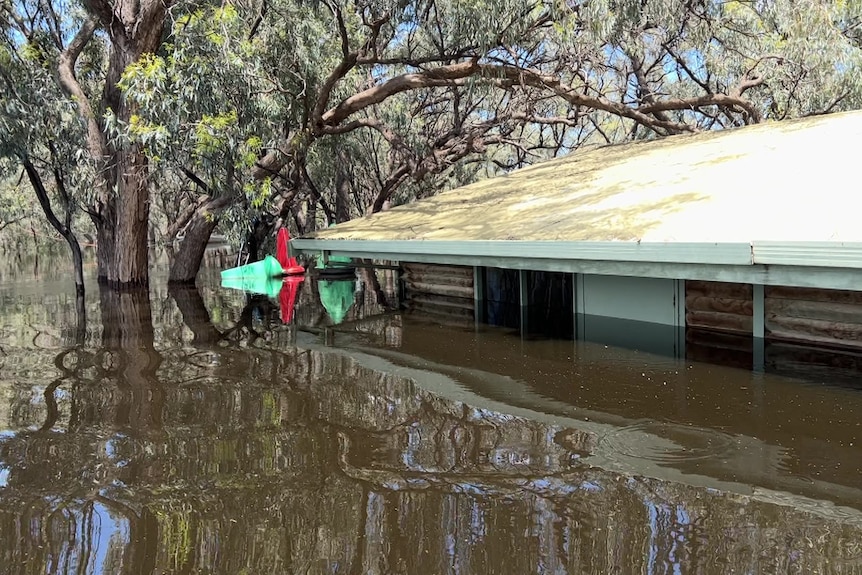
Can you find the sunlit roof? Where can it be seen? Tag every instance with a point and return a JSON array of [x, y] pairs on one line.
[[789, 181]]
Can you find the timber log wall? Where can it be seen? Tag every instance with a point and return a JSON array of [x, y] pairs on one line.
[[831, 318], [719, 320], [440, 290]]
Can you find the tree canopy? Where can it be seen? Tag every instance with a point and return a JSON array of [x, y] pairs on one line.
[[305, 113]]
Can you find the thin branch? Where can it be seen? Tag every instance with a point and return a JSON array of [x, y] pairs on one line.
[[264, 7], [199, 182]]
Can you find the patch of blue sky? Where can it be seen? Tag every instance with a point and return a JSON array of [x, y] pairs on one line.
[[478, 523], [470, 489], [110, 531]]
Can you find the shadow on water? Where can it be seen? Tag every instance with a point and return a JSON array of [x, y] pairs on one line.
[[190, 431]]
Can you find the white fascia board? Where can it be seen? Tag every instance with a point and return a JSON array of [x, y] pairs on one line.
[[656, 252], [783, 275], [816, 254]]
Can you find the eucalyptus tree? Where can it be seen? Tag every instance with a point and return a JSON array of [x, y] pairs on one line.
[[346, 105], [76, 54], [201, 118], [268, 107], [38, 126], [314, 112]]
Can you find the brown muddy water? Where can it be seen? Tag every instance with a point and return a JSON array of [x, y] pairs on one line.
[[192, 431]]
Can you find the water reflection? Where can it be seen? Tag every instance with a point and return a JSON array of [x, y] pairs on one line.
[[192, 431]]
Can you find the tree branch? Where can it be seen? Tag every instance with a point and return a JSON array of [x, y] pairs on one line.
[[194, 178], [42, 196], [348, 61], [440, 76], [68, 81]]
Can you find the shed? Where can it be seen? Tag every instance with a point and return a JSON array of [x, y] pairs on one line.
[[753, 231]]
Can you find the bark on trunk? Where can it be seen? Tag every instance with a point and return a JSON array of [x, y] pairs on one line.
[[104, 248], [308, 221], [342, 190], [121, 209], [190, 254], [122, 250], [131, 252]]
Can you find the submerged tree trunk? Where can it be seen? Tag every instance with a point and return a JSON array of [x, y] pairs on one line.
[[124, 211], [64, 229], [104, 243], [120, 211], [131, 248], [188, 257]]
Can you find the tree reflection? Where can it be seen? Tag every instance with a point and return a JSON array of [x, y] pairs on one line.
[[228, 454]]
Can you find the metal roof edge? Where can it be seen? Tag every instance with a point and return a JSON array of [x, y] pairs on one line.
[[739, 253], [815, 254]]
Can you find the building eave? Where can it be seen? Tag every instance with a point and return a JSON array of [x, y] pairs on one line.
[[824, 265]]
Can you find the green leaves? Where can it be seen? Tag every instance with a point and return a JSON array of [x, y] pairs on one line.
[[247, 81]]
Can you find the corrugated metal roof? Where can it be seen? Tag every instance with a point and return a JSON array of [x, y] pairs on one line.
[[794, 181], [773, 204]]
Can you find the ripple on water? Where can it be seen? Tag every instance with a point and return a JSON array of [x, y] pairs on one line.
[[668, 443]]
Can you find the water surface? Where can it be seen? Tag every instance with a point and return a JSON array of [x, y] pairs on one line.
[[192, 431]]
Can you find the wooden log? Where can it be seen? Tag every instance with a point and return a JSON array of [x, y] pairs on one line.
[[439, 289], [440, 318], [444, 301], [439, 278], [829, 333], [718, 290], [723, 305], [466, 283], [720, 340], [821, 310], [718, 321], [466, 271], [439, 310], [814, 294]]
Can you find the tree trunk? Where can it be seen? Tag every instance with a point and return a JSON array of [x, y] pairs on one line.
[[104, 244], [64, 230], [342, 189], [131, 249], [190, 254], [121, 209], [309, 222]]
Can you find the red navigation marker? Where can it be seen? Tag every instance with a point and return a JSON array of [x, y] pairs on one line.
[[287, 296], [282, 254]]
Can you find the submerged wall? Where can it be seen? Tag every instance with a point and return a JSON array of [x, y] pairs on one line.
[[736, 324]]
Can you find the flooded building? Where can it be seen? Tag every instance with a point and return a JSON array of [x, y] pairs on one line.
[[742, 245]]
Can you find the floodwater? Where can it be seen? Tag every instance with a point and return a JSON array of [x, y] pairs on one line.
[[194, 431]]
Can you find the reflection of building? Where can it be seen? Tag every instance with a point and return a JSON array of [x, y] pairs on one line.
[[690, 245]]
